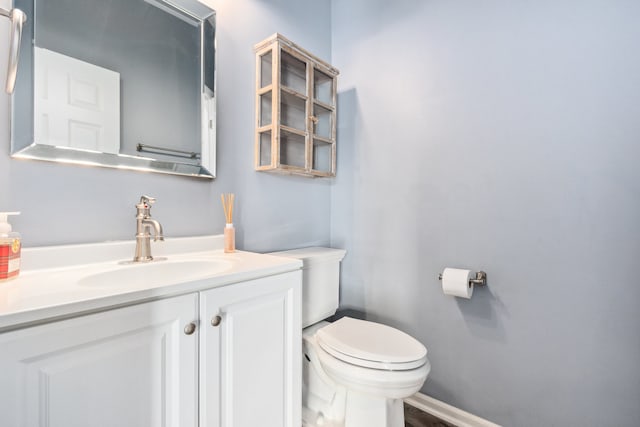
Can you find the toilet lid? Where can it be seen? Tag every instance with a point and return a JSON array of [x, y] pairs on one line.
[[371, 345]]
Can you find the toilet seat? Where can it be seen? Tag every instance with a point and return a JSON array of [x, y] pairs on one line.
[[371, 345]]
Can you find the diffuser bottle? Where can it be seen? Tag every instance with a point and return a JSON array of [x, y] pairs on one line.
[[229, 230], [10, 245], [229, 238]]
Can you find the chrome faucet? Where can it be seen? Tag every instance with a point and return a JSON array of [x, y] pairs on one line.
[[143, 230]]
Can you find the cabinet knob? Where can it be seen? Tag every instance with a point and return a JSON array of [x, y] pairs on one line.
[[215, 320], [190, 328]]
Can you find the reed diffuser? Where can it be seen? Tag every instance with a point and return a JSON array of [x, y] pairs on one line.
[[229, 230]]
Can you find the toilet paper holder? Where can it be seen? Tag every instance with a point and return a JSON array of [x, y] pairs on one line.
[[480, 280]]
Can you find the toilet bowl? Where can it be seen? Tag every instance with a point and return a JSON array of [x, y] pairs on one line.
[[355, 372], [372, 358], [359, 383]]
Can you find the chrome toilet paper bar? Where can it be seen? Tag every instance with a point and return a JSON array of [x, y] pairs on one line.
[[480, 280]]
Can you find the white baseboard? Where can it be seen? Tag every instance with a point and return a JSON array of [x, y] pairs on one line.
[[446, 412]]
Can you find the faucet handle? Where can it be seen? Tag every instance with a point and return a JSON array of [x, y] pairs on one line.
[[147, 200]]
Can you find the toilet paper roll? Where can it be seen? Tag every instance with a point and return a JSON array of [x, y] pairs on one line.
[[455, 282]]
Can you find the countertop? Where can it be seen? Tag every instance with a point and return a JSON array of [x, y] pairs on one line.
[[53, 282]]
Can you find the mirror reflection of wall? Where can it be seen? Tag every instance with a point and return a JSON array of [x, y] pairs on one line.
[[108, 76]]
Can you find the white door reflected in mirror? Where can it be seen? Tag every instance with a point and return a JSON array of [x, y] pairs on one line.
[[77, 104]]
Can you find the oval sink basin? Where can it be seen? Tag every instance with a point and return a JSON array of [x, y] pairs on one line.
[[156, 273]]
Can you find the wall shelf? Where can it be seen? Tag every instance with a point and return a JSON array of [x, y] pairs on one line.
[[295, 110]]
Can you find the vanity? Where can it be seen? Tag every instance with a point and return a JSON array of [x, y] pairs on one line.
[[195, 338]]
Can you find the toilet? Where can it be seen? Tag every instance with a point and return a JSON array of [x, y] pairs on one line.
[[355, 373]]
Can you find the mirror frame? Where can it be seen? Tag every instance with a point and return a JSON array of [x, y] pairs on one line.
[[207, 165]]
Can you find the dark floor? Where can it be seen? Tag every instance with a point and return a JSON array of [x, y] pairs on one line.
[[414, 417]]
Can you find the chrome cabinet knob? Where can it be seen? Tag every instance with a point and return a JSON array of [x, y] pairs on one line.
[[190, 328], [215, 320]]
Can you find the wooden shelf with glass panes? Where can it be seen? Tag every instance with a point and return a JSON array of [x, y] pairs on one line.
[[295, 110]]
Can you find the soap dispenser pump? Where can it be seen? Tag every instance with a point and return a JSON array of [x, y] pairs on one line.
[[10, 246]]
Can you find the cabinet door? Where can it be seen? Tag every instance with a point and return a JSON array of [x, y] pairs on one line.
[[251, 354], [132, 366]]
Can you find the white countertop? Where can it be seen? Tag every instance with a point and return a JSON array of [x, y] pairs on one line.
[[53, 280]]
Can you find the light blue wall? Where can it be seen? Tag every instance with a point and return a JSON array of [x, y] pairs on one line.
[[500, 136], [71, 204]]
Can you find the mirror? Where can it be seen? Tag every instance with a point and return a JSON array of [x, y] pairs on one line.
[[126, 84]]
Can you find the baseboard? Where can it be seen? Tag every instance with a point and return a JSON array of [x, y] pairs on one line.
[[446, 412]]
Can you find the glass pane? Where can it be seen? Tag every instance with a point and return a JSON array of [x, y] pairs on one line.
[[293, 73], [265, 148], [322, 123], [265, 69], [265, 109], [292, 111], [322, 87], [292, 149], [322, 156]]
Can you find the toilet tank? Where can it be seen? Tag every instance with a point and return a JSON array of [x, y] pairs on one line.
[[320, 281]]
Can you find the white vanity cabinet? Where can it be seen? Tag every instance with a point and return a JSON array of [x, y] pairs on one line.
[[222, 357], [250, 349], [132, 366]]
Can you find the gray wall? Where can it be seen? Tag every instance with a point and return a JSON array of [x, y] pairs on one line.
[[500, 136], [72, 204]]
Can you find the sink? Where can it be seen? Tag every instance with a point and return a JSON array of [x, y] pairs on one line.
[[156, 273]]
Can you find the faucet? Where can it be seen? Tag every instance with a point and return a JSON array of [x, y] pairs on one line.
[[143, 235]]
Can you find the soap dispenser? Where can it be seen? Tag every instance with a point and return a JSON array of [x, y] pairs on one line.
[[9, 249]]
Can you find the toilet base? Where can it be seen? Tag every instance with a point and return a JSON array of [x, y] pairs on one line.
[[360, 411], [371, 411]]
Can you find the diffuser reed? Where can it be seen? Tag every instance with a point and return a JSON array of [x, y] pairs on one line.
[[229, 230]]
